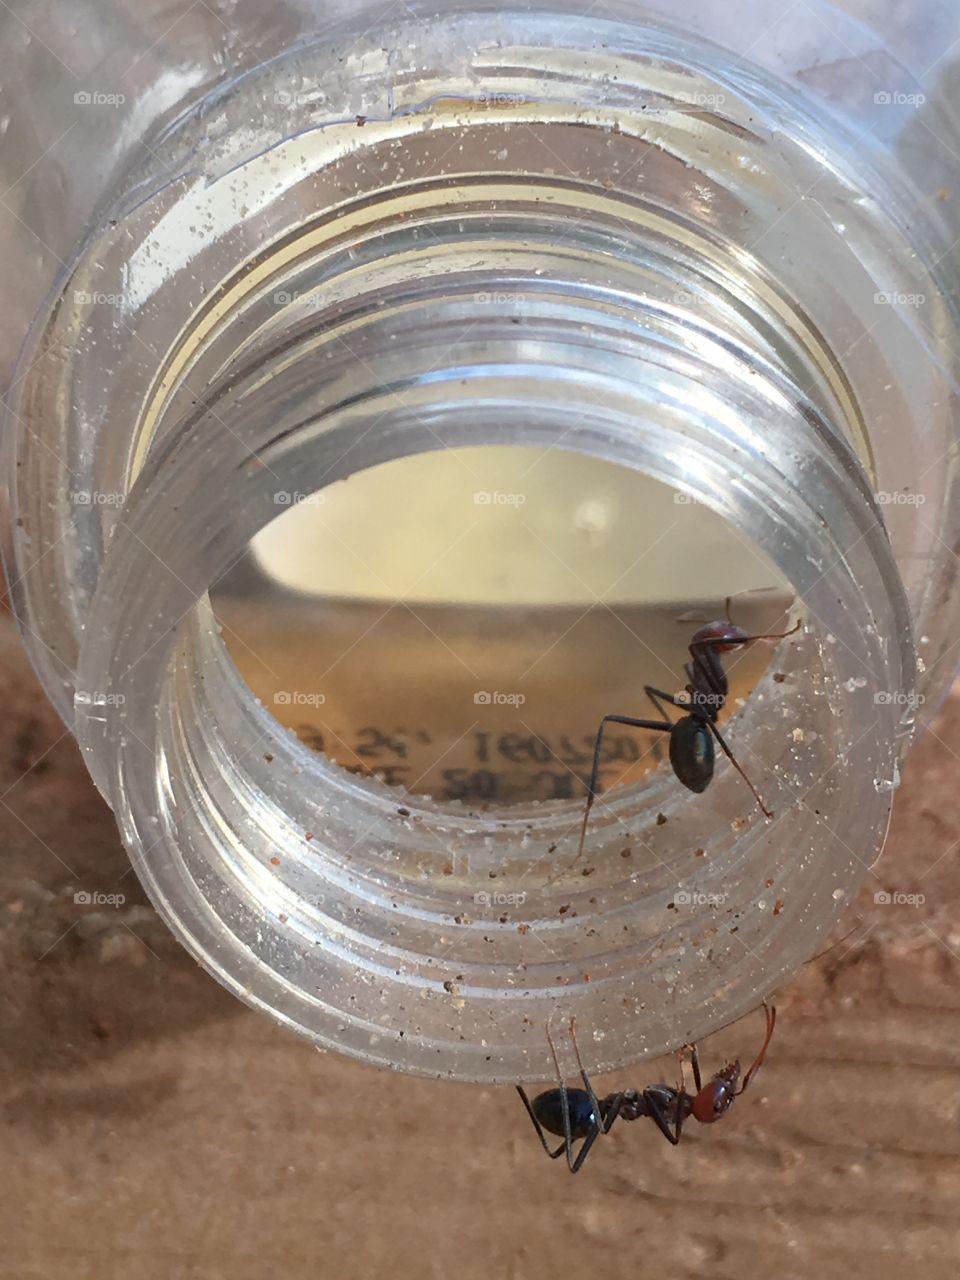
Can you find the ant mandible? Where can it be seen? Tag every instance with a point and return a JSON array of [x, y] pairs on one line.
[[578, 1114], [692, 755]]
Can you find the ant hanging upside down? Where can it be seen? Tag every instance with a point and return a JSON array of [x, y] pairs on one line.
[[578, 1114], [692, 754]]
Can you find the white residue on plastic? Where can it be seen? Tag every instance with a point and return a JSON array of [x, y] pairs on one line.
[[883, 785]]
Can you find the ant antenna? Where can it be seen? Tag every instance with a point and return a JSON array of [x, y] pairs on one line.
[[771, 1013], [553, 1050], [583, 827]]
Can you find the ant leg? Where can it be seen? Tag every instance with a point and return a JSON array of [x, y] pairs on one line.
[[658, 697], [615, 1108], [659, 1119], [733, 760], [658, 726], [583, 1072], [584, 1150], [616, 1101], [539, 1128], [680, 1115], [771, 1012], [565, 1109], [604, 1122], [695, 1063], [682, 1091]]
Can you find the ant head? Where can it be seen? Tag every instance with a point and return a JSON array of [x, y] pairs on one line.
[[726, 636], [716, 1097]]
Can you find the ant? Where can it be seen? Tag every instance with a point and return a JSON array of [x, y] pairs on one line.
[[692, 755], [575, 1114]]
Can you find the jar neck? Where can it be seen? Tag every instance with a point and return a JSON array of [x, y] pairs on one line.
[[215, 798]]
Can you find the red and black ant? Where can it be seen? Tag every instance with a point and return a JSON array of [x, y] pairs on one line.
[[578, 1114], [692, 755]]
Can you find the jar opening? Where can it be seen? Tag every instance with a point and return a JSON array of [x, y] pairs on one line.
[[507, 599]]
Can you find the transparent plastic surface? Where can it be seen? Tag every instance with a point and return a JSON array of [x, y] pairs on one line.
[[713, 270]]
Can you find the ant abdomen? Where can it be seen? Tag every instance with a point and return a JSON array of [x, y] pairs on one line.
[[548, 1108], [692, 754]]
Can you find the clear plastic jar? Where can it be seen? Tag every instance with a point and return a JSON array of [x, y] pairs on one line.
[[715, 250]]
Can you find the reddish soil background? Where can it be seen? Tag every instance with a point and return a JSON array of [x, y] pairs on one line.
[[151, 1126]]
